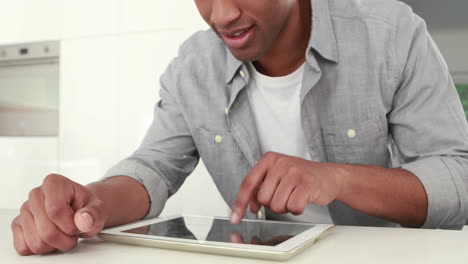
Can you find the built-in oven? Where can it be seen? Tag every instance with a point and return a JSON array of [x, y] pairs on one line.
[[29, 89]]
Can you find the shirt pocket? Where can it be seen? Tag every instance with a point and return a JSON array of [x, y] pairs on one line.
[[217, 140], [364, 142]]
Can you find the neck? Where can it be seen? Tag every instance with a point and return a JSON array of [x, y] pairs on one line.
[[288, 52]]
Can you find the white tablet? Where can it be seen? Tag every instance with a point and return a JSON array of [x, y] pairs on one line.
[[261, 239]]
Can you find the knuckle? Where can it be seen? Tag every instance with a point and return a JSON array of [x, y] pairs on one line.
[[262, 198], [97, 205], [295, 209], [322, 201], [282, 162], [52, 179], [276, 208], [315, 197], [270, 155], [15, 223], [48, 235], [22, 250], [34, 193], [70, 246], [293, 171], [54, 210], [49, 178], [38, 247], [24, 208]]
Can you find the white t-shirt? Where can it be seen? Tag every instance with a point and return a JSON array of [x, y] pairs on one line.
[[276, 106]]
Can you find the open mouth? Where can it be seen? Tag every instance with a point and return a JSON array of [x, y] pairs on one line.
[[239, 38], [239, 34]]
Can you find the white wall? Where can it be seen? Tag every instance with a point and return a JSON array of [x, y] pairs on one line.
[[112, 54]]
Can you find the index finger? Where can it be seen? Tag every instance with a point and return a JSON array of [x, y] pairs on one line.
[[252, 181]]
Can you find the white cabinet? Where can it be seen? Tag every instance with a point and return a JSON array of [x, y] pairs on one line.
[[153, 15], [30, 20], [90, 18]]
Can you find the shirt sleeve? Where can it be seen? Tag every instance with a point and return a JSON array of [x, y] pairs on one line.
[[167, 154], [428, 125]]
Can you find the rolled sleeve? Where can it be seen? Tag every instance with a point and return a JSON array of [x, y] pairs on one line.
[[428, 125], [445, 194], [152, 181]]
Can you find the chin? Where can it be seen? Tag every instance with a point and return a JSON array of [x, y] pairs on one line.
[[245, 56]]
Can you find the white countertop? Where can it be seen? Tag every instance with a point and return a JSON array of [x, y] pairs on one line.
[[344, 245]]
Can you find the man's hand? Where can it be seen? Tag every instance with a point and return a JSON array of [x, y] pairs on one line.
[[286, 184], [56, 214]]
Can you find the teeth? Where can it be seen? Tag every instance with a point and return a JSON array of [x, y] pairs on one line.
[[239, 33]]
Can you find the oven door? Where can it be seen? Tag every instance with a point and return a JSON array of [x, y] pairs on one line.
[[29, 90]]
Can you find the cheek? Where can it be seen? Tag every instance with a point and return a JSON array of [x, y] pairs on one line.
[[271, 21]]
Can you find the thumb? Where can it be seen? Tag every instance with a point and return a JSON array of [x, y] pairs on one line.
[[90, 219]]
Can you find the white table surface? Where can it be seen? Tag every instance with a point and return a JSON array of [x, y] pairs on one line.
[[344, 245]]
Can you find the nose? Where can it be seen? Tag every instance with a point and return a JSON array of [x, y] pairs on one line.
[[224, 13]]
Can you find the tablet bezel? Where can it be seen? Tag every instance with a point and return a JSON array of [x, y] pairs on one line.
[[315, 232]]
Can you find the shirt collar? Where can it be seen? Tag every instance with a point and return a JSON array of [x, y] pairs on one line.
[[322, 39], [232, 65]]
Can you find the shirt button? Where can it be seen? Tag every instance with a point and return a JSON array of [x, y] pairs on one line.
[[226, 110], [259, 214], [218, 139], [351, 133], [242, 73]]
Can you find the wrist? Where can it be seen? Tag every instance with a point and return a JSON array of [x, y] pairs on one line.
[[97, 191], [342, 175]]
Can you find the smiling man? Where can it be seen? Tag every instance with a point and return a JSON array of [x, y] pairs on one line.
[[323, 111]]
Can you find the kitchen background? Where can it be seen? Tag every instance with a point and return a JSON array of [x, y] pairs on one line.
[[111, 55]]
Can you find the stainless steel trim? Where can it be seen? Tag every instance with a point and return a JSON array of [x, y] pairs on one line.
[[22, 54]]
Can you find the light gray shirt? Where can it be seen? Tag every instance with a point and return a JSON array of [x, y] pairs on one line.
[[375, 91]]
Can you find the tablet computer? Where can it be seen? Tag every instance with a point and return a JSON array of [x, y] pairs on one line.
[[272, 240]]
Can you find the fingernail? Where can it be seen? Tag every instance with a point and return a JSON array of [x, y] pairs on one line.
[[234, 218], [88, 218]]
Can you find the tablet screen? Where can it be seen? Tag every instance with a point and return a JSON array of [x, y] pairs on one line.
[[221, 230]]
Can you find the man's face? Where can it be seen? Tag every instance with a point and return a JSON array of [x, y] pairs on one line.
[[249, 28]]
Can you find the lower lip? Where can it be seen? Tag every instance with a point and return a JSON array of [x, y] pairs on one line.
[[238, 42]]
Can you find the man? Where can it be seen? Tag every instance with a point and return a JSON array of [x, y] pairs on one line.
[[333, 110]]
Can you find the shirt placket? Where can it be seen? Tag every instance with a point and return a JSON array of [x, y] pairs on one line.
[[310, 110]]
